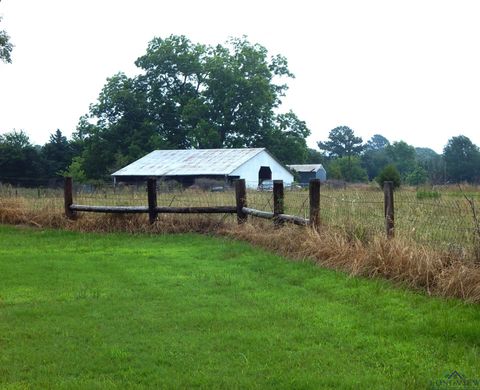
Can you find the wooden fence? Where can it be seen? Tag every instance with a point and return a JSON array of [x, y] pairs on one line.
[[241, 208]]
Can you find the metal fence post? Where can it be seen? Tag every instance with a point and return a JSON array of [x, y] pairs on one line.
[[314, 195], [152, 199], [241, 200], [389, 208]]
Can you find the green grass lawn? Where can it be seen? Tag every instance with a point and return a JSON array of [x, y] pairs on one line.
[[121, 311]]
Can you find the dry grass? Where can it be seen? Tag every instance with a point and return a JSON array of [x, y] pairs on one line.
[[437, 272]]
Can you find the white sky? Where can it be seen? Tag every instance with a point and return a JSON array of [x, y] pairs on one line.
[[409, 70]]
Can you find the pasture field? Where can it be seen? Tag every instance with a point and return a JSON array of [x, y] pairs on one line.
[[94, 311]]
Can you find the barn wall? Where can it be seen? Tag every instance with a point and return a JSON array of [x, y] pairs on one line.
[[321, 174], [249, 170]]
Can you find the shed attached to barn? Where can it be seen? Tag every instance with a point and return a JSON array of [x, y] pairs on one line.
[[309, 171], [185, 166]]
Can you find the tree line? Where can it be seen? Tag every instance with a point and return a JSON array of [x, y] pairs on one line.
[[190, 95], [348, 158]]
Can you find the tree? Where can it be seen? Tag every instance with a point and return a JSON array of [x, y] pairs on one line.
[[377, 142], [287, 139], [75, 170], [5, 46], [315, 157], [432, 163], [342, 142], [389, 173], [20, 161], [347, 169], [403, 156], [462, 160], [417, 176], [374, 157], [57, 154], [193, 95]]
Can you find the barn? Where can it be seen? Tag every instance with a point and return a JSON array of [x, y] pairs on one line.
[[188, 165], [309, 171]]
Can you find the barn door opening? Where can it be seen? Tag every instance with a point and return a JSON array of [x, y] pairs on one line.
[[265, 173]]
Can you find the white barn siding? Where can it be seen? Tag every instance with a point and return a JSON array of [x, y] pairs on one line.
[[249, 170]]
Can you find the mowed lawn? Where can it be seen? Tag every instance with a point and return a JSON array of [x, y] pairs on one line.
[[92, 311]]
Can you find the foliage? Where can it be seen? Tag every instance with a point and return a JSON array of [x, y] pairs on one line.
[[342, 142], [315, 157], [222, 308], [193, 96], [57, 154], [19, 159], [389, 173], [462, 160], [433, 164], [6, 46], [374, 161], [402, 155], [427, 194], [417, 176], [377, 142], [75, 170], [348, 169]]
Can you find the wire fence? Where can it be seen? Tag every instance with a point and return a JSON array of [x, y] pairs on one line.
[[442, 216]]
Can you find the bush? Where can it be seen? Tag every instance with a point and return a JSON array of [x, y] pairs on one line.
[[426, 194], [389, 173]]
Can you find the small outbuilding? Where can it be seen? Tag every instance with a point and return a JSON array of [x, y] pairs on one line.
[[255, 165], [306, 172]]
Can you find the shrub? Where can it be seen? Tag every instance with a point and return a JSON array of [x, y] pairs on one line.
[[426, 194], [389, 173]]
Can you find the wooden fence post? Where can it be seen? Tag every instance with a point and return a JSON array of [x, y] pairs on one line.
[[278, 201], [241, 200], [68, 197], [314, 194], [152, 199], [389, 208]]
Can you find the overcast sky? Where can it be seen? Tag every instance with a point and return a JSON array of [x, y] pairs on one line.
[[409, 70]]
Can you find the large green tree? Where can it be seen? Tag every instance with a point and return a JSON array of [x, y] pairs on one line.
[[403, 156], [348, 169], [5, 46], [377, 142], [20, 161], [462, 160], [432, 163], [192, 96], [375, 157], [57, 154], [342, 142]]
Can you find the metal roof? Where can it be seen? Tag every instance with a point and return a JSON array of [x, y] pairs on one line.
[[306, 167], [189, 162]]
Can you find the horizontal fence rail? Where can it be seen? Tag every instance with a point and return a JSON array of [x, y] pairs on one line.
[[442, 216], [282, 217], [278, 216], [162, 210]]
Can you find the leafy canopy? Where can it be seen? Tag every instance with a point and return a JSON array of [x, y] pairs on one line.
[[342, 142], [5, 46], [462, 159], [389, 173], [192, 95]]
